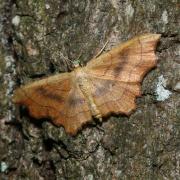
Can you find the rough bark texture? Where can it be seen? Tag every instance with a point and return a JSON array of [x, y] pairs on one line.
[[39, 38]]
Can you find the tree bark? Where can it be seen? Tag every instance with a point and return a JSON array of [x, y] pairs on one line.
[[40, 38]]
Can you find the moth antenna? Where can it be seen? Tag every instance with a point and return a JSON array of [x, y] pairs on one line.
[[67, 61], [102, 49]]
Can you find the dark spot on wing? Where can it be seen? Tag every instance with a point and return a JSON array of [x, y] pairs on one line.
[[119, 67], [103, 88], [100, 90], [50, 95], [74, 101]]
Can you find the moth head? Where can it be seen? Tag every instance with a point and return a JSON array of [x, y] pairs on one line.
[[77, 63]]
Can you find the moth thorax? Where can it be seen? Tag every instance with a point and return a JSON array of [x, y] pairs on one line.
[[82, 81], [86, 88], [84, 85]]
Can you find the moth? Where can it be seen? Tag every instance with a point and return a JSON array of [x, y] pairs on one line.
[[108, 84]]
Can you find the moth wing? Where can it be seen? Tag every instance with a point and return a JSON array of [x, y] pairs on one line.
[[57, 98], [116, 75], [129, 61], [112, 96]]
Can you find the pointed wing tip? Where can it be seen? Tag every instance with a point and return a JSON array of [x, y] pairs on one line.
[[156, 37], [149, 36], [14, 99], [152, 35], [17, 96]]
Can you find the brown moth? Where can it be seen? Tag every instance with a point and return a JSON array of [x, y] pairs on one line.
[[108, 84]]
